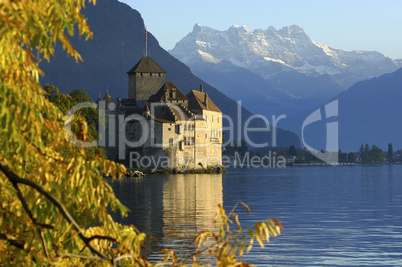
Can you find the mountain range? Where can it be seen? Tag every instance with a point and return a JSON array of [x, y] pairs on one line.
[[367, 113], [293, 72], [118, 44]]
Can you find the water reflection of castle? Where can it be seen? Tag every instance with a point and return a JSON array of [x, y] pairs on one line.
[[190, 203], [171, 207]]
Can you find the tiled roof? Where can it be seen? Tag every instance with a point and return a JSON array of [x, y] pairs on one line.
[[108, 99], [169, 113], [162, 114], [147, 65], [160, 96], [198, 101], [128, 102]]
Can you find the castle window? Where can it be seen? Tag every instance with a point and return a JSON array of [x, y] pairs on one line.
[[177, 129], [181, 145], [189, 127], [171, 142], [189, 141]]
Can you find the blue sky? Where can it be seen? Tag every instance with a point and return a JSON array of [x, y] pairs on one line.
[[370, 25]]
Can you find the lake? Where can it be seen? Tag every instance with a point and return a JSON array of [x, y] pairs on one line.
[[333, 216]]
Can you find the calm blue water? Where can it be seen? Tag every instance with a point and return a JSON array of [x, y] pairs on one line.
[[333, 216]]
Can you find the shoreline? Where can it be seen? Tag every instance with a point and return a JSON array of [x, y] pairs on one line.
[[341, 164], [143, 172]]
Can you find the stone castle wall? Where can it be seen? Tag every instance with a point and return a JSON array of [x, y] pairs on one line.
[[143, 85]]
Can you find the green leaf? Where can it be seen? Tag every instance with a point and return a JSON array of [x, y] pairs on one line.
[[35, 40]]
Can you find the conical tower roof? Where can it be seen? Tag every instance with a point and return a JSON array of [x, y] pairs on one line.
[[146, 108], [108, 100], [146, 65]]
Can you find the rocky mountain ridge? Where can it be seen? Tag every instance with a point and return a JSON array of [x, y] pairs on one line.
[[269, 52], [367, 113], [117, 45]]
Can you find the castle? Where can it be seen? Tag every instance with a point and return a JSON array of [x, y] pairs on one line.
[[158, 126]]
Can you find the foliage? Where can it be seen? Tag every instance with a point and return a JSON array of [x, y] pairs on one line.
[[346, 157], [397, 156], [227, 245], [306, 156], [376, 154], [88, 115], [365, 153], [40, 185], [390, 153], [373, 155], [240, 149], [292, 151]]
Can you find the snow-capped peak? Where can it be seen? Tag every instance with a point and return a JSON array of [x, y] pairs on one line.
[[290, 47], [244, 28]]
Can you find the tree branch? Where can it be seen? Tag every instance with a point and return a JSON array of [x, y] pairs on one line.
[[11, 241], [44, 244], [69, 255], [89, 239], [115, 261], [43, 154], [26, 208], [15, 179]]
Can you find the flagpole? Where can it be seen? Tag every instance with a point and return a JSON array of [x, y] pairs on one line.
[[146, 42]]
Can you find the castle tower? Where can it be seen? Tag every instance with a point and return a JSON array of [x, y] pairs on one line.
[[144, 80]]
